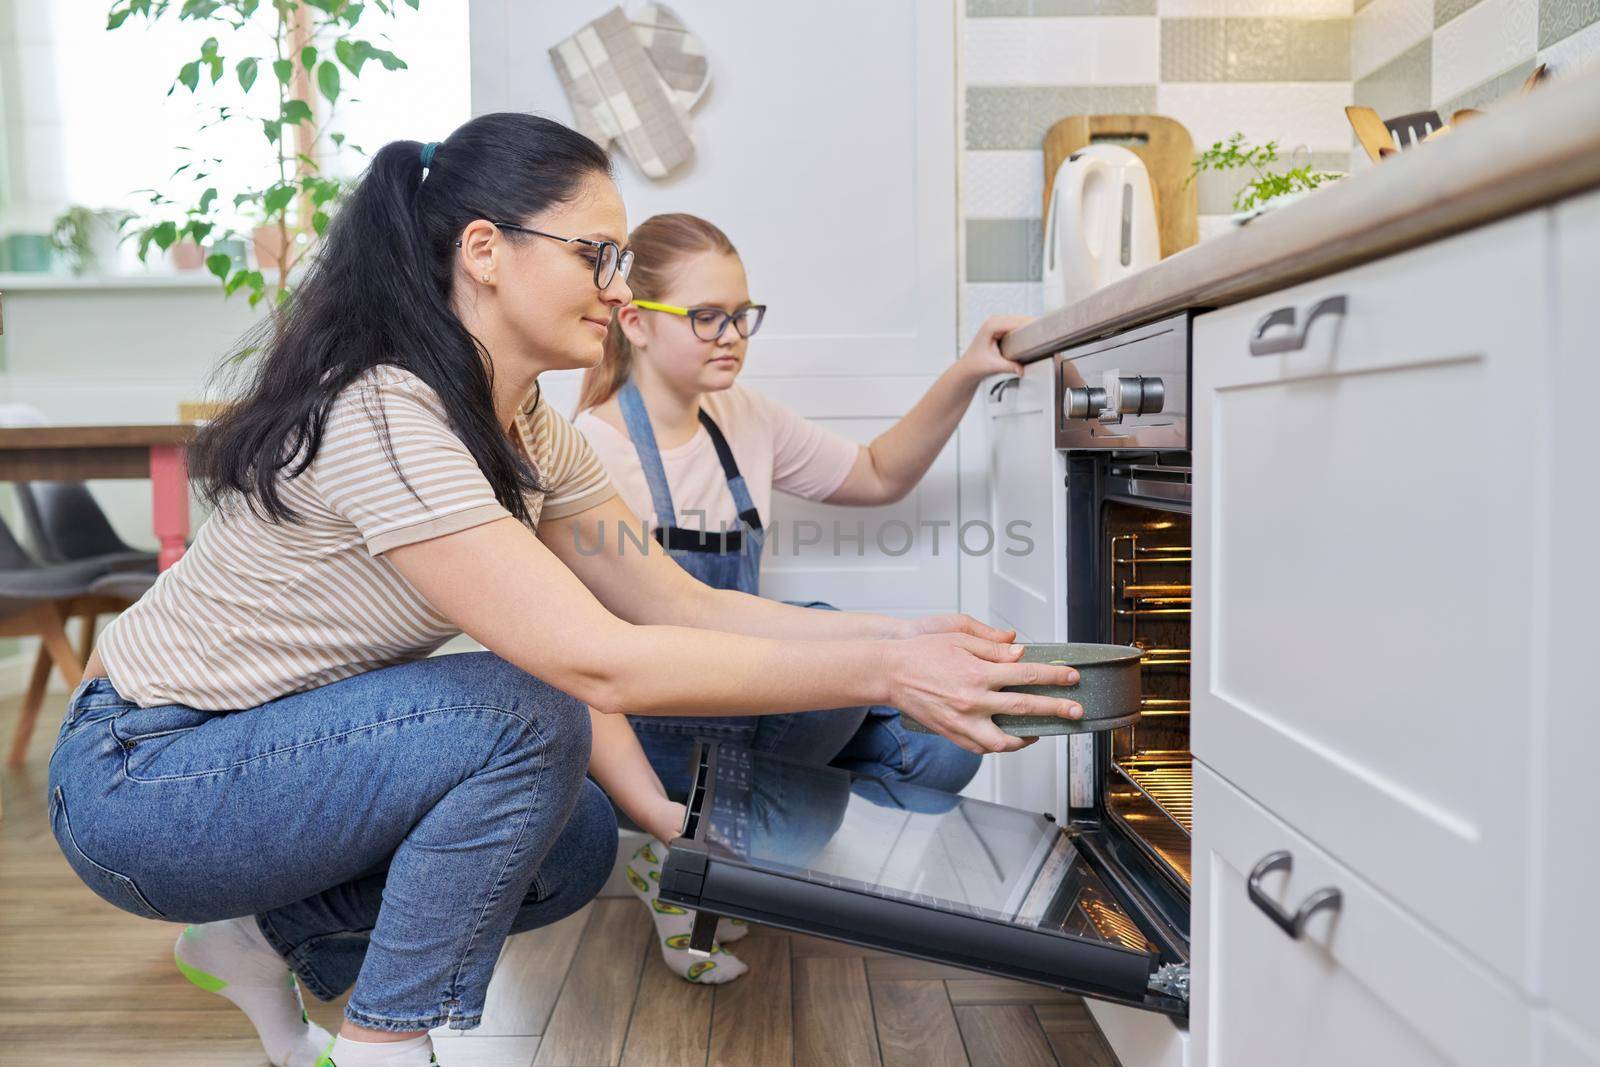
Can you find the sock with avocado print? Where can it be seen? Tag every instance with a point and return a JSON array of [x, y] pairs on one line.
[[232, 959], [413, 1052], [673, 923]]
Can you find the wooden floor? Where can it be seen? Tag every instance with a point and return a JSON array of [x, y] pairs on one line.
[[85, 985]]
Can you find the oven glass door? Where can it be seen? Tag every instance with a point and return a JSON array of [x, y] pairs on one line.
[[912, 871]]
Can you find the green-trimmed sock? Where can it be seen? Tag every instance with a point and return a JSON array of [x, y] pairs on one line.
[[673, 924], [232, 959], [413, 1052]]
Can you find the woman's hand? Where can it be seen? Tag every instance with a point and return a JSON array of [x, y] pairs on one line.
[[982, 357], [948, 683], [956, 624]]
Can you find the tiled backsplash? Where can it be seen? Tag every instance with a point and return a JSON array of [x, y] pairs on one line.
[[1275, 69], [1416, 55]]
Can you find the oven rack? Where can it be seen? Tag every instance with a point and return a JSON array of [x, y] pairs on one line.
[[1167, 782]]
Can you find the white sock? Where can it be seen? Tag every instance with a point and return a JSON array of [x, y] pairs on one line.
[[412, 1052], [673, 924], [232, 958]]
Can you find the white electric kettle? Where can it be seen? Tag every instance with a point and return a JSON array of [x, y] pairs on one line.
[[1100, 225]]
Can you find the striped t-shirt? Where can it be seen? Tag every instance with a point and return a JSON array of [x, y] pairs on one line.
[[256, 610]]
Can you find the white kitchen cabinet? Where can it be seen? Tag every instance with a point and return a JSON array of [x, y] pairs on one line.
[[1371, 527], [1027, 563], [1027, 505], [1364, 983], [1571, 942]]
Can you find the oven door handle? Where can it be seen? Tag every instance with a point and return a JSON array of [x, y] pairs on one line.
[[1292, 339], [998, 389], [1294, 925]]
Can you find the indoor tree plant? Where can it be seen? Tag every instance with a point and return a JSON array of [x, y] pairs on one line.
[[311, 48]]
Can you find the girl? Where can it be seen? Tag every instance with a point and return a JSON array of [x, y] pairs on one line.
[[261, 747], [680, 439]]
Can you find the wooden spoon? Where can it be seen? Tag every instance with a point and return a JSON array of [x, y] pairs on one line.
[[1371, 132]]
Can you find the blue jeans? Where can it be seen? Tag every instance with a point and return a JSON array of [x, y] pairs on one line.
[[867, 740], [387, 831]]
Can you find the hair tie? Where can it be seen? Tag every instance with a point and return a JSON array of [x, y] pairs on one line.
[[427, 153]]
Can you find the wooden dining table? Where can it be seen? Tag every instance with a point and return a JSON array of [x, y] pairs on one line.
[[79, 453]]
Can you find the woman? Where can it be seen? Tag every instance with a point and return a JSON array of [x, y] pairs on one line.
[[688, 447], [260, 746]]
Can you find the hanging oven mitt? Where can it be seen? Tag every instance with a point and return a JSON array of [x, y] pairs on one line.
[[634, 80]]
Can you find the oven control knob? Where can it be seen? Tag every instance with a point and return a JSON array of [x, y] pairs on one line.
[[1139, 396], [1085, 403]]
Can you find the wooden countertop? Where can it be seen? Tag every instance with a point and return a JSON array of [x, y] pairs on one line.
[[1532, 151]]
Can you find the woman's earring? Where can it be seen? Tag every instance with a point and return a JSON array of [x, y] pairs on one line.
[[485, 277]]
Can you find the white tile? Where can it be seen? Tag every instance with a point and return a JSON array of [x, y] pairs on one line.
[[1192, 9], [1002, 185], [1061, 51], [1291, 113], [1298, 9], [1385, 28], [979, 300], [1579, 52], [1488, 39]]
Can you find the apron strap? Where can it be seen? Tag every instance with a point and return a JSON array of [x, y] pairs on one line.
[[667, 531], [637, 420], [730, 470]]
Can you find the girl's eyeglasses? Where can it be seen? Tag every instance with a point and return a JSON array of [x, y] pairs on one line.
[[609, 260], [709, 323]]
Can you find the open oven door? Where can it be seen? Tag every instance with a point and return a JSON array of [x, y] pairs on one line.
[[917, 872]]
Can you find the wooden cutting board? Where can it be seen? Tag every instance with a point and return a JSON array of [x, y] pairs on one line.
[[1168, 153]]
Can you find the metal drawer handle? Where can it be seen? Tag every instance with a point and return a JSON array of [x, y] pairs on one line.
[[997, 390], [1293, 925], [1291, 340]]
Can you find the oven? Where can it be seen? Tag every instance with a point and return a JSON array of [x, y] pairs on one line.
[[1122, 428], [1097, 902]]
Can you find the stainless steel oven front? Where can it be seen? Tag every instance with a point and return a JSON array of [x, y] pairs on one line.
[[1122, 425]]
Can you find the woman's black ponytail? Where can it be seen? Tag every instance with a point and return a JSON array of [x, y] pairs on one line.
[[377, 292]]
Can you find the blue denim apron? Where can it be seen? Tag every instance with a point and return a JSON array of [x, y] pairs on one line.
[[869, 741], [730, 559]]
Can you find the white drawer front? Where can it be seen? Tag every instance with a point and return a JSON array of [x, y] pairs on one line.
[[1367, 575], [1365, 983], [1026, 506]]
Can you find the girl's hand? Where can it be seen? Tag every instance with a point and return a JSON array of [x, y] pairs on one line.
[[957, 624], [982, 357], [948, 683], [664, 821]]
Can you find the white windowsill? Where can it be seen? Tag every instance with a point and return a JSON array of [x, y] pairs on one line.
[[25, 281]]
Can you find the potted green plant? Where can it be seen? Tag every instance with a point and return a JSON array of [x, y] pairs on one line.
[[1267, 188], [316, 49], [87, 238]]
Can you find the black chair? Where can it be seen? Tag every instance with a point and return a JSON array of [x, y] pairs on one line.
[[35, 601], [67, 525]]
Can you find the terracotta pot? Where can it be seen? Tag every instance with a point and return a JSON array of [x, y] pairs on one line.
[[268, 244], [186, 255]]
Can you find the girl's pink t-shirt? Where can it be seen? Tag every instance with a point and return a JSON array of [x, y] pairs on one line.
[[774, 447]]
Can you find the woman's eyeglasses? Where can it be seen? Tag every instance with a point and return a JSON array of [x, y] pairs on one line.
[[609, 260], [709, 323]]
